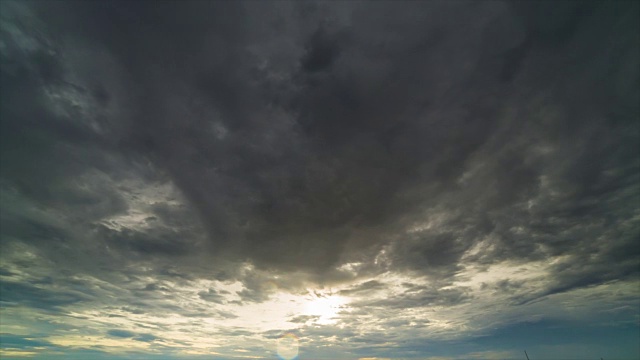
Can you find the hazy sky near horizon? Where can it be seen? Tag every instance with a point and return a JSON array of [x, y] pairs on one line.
[[365, 180]]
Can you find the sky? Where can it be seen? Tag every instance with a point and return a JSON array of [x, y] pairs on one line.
[[342, 180]]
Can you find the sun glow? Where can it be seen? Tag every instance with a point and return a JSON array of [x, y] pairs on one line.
[[325, 307]]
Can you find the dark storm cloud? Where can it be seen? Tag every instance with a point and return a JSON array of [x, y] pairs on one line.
[[321, 50], [512, 125], [34, 230], [157, 242]]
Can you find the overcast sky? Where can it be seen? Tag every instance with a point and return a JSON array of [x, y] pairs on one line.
[[332, 180]]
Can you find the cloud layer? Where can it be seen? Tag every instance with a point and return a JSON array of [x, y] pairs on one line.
[[199, 178]]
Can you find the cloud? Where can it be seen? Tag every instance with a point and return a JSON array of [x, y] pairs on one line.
[[120, 333], [128, 334], [367, 286], [211, 295], [371, 141], [15, 294], [16, 341], [443, 167], [301, 319]]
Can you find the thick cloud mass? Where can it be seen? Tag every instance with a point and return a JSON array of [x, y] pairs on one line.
[[281, 146]]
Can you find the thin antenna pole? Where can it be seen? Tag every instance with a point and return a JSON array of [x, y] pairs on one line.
[[525, 354]]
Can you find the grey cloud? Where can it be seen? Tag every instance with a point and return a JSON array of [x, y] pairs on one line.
[[35, 230], [274, 334], [504, 286], [423, 297], [160, 241], [174, 274], [120, 333], [370, 127], [133, 310], [397, 323], [321, 50], [582, 272], [154, 287], [557, 23], [431, 253], [129, 334], [10, 341], [301, 319], [365, 287], [18, 294], [145, 337], [226, 315], [330, 163], [251, 295], [241, 333], [211, 295], [5, 272]]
